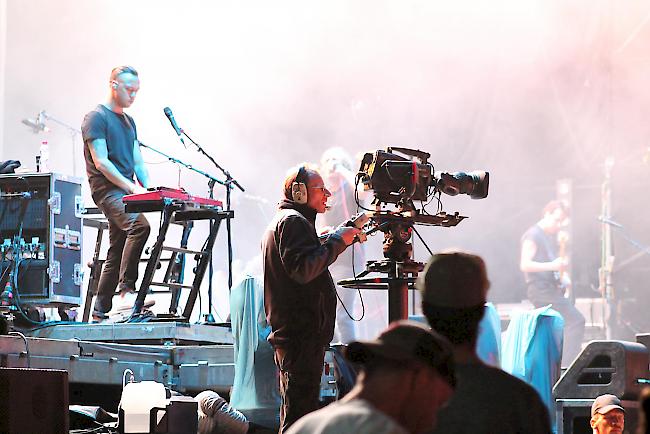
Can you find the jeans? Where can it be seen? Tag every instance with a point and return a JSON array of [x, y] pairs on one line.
[[128, 233], [301, 367]]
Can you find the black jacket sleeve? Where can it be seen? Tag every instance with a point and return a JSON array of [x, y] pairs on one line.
[[302, 255]]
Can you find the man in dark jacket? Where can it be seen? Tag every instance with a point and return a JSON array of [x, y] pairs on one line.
[[299, 294]]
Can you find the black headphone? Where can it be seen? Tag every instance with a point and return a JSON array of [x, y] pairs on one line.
[[299, 186]]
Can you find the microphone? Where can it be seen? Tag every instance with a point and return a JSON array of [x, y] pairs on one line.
[[36, 125], [170, 116], [610, 222]]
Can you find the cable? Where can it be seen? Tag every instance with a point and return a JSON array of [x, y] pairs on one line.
[[354, 274], [422, 239], [26, 345], [357, 179], [131, 378]]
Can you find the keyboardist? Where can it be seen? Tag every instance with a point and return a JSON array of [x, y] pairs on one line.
[[113, 158]]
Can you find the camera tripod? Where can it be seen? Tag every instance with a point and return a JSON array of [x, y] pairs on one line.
[[400, 269]]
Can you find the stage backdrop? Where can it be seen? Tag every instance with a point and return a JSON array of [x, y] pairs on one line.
[[532, 91]]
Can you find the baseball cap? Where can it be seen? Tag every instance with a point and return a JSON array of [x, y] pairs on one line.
[[406, 341], [455, 280], [606, 403]]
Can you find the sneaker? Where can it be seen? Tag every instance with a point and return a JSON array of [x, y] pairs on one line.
[[127, 300], [129, 306], [98, 317]]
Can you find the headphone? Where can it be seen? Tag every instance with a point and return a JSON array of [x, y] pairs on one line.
[[299, 187]]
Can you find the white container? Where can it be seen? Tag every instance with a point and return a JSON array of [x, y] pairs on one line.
[[44, 153], [137, 400]]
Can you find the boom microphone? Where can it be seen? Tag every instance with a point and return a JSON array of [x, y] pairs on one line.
[[170, 116]]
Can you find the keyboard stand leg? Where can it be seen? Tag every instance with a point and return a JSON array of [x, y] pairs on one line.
[[175, 272], [201, 268], [95, 272], [153, 260]]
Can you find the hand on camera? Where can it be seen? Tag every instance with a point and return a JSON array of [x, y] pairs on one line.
[[348, 234]]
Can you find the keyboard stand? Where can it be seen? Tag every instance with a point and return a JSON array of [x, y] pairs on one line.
[[174, 211]]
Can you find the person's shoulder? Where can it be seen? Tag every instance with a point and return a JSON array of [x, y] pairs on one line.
[[290, 216], [355, 416], [94, 124], [532, 233], [95, 114]]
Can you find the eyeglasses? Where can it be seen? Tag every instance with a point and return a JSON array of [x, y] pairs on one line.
[[320, 187]]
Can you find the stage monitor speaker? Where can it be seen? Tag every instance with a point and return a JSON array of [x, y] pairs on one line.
[[605, 367], [33, 401], [644, 338]]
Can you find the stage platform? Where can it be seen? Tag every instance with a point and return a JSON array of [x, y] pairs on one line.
[[184, 357], [150, 333]]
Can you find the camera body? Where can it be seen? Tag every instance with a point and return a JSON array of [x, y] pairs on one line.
[[400, 179]]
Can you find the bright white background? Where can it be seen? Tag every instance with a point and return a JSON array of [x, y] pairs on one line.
[[532, 90]]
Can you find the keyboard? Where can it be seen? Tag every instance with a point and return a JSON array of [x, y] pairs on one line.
[[158, 197]]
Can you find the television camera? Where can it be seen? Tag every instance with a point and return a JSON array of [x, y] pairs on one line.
[[398, 182]]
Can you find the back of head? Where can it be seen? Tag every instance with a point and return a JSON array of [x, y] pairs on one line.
[[454, 291], [403, 345]]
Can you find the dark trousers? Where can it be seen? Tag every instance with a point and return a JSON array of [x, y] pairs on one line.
[[574, 323], [128, 233], [300, 366]]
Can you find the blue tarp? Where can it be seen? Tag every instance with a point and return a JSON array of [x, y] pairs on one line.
[[488, 344], [255, 386], [532, 350]]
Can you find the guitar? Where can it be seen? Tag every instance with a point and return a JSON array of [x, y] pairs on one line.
[[562, 277]]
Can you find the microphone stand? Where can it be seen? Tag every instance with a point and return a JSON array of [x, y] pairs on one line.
[[228, 183], [73, 135], [212, 179]]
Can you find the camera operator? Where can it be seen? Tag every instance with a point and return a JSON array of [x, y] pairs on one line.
[[299, 294]]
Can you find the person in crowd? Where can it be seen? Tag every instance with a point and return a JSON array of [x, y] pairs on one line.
[[487, 400], [406, 376], [607, 415]]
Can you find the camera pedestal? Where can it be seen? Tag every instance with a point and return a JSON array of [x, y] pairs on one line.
[[401, 277]]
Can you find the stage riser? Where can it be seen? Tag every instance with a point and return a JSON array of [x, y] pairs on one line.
[[186, 369]]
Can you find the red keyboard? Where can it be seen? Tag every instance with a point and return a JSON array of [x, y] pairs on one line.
[[156, 198]]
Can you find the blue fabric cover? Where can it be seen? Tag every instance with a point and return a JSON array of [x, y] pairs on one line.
[[488, 344], [255, 386], [532, 350]]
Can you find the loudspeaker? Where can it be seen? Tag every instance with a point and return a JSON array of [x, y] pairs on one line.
[[33, 401], [644, 339], [299, 187], [605, 367]]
